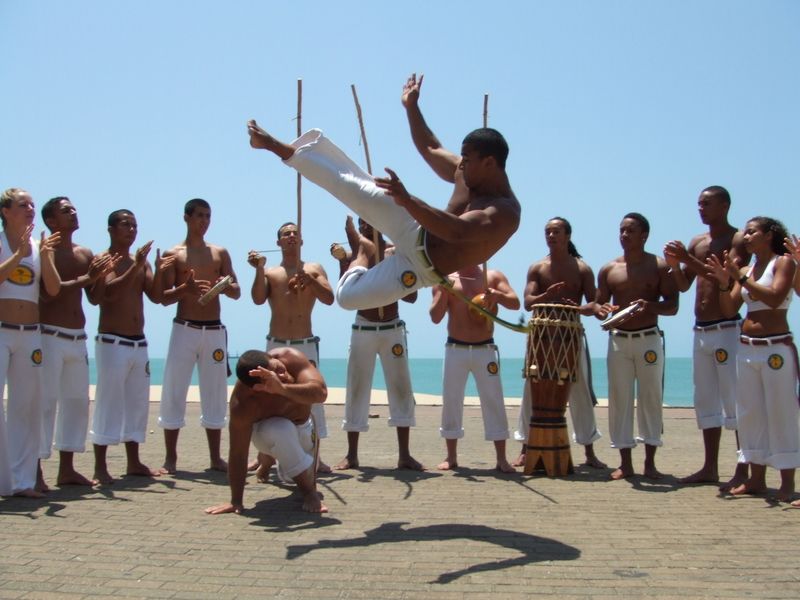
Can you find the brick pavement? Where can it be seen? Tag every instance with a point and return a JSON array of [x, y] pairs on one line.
[[472, 533]]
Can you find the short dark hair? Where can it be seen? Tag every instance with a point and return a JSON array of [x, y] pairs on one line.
[[188, 208], [573, 251], [284, 225], [778, 229], [718, 192], [49, 208], [117, 216], [488, 142], [252, 359], [638, 217]]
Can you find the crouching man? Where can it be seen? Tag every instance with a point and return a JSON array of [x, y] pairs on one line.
[[271, 405]]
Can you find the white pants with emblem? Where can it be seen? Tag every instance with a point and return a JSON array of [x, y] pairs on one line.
[[390, 345], [122, 397], [21, 425], [319, 160], [714, 374], [635, 364], [483, 361], [581, 406], [766, 406], [207, 348], [309, 347], [65, 391], [291, 445]]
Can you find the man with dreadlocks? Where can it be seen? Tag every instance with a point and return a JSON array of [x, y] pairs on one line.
[[562, 277]]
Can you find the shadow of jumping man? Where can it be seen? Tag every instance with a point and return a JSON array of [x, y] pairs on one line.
[[532, 548]]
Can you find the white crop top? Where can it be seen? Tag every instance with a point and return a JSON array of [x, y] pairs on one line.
[[23, 282], [765, 280]]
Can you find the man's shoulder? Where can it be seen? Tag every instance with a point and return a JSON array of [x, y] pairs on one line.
[[175, 250]]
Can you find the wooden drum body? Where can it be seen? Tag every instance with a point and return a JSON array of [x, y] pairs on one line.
[[551, 365]]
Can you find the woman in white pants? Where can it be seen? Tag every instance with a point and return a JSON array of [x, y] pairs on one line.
[[767, 409]]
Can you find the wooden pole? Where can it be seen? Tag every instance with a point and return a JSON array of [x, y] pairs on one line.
[[375, 233], [299, 178], [485, 124]]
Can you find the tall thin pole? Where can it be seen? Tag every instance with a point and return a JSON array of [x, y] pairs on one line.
[[485, 124], [375, 233], [299, 178]]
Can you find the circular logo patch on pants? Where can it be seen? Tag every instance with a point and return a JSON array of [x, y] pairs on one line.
[[397, 349], [218, 355], [36, 356], [650, 357], [493, 368], [408, 278], [775, 361], [721, 355]]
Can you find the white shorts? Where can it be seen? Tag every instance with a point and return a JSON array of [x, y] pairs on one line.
[[20, 436], [483, 361], [122, 397], [581, 405], [205, 346], [387, 340], [714, 368], [309, 347], [766, 404], [65, 390], [635, 361], [408, 269], [291, 445]]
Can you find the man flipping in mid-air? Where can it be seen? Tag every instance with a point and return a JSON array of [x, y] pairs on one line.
[[480, 217]]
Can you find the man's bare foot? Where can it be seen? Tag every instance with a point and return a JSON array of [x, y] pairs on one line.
[[410, 463], [252, 465], [739, 477], [260, 139], [217, 464], [29, 493], [346, 463], [519, 461], [652, 473], [785, 493], [704, 475], [447, 465], [313, 503], [322, 467], [170, 467], [262, 473], [796, 504], [141, 470], [594, 462], [41, 484], [504, 467], [73, 478], [748, 488], [103, 477], [621, 473]]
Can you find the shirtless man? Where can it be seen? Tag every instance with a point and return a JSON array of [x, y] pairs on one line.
[[24, 265], [635, 347], [271, 404], [198, 336], [716, 338], [562, 277], [65, 366], [376, 332], [480, 217], [292, 289], [470, 348], [122, 397]]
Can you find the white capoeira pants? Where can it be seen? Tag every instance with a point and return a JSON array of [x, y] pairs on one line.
[[766, 403], [387, 340], [291, 445], [205, 346], [635, 361], [581, 405], [714, 373], [21, 429], [483, 361], [408, 269], [65, 390], [309, 347], [122, 397]]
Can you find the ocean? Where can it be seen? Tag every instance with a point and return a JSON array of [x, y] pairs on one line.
[[426, 376]]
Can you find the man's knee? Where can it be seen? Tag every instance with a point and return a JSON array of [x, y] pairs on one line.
[[347, 292]]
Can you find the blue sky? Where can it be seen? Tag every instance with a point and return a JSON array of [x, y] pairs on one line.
[[608, 107]]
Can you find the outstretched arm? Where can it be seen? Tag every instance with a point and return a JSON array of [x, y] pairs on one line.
[[442, 161]]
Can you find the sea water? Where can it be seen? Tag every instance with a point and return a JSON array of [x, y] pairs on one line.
[[426, 376]]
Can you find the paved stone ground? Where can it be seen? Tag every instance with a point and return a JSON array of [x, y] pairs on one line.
[[472, 533]]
